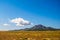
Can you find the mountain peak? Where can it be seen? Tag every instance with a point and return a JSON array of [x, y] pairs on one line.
[[39, 27]]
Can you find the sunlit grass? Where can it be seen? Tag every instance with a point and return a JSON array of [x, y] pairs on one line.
[[30, 35]]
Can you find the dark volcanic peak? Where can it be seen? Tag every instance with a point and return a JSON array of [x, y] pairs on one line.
[[39, 28]]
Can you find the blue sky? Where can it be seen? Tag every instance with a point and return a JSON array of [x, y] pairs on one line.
[[45, 12]]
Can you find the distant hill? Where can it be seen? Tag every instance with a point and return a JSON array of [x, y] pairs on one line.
[[39, 28]]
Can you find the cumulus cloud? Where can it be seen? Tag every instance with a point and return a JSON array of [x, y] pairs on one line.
[[20, 22], [5, 24]]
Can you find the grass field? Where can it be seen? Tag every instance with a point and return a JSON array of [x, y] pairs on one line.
[[29, 35]]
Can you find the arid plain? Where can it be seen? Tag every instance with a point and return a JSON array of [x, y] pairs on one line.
[[29, 35]]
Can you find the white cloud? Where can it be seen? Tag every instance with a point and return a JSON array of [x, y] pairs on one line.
[[5, 24], [20, 22]]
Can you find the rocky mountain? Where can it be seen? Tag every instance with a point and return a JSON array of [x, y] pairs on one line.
[[39, 28]]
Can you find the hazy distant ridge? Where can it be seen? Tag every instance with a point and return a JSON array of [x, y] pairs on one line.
[[39, 28]]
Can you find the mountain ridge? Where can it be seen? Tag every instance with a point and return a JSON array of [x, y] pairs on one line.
[[39, 27]]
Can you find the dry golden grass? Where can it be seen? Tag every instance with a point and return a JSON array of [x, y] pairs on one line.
[[30, 35]]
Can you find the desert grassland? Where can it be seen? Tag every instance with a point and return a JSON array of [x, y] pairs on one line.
[[29, 35]]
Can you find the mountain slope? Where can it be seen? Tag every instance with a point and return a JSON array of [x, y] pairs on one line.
[[38, 28]]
